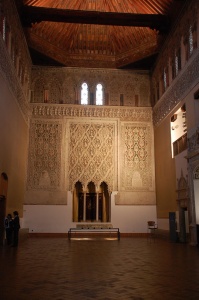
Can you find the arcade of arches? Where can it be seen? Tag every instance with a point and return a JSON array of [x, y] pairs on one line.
[[90, 204]]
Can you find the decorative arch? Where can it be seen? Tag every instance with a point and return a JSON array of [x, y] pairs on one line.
[[106, 205], [91, 203], [78, 189], [55, 91], [40, 91], [84, 94], [99, 94]]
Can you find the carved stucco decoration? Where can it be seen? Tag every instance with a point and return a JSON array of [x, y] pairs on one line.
[[182, 191], [9, 73], [92, 151], [175, 93], [184, 81], [137, 114], [44, 165], [8, 67], [179, 33], [137, 169], [95, 148], [193, 143], [69, 80]]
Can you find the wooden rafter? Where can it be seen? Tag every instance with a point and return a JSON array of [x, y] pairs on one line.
[[33, 14]]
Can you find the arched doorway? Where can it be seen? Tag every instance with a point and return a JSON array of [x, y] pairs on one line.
[[3, 194]]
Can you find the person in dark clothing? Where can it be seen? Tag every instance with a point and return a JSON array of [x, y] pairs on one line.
[[16, 227], [8, 224]]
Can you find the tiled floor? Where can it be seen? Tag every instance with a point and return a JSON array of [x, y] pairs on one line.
[[132, 268]]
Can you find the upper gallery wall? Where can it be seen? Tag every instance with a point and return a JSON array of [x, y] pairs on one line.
[[63, 86]]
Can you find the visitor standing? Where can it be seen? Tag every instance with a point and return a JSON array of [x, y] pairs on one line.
[[16, 227], [8, 224]]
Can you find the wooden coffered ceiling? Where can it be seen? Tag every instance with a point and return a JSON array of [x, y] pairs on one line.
[[97, 33]]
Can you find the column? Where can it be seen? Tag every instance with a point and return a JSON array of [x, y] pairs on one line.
[[97, 207], [84, 211]]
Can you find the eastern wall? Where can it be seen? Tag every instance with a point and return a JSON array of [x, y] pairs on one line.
[[111, 143]]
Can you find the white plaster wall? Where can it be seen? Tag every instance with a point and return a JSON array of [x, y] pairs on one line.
[[132, 218], [47, 218], [58, 218], [163, 224]]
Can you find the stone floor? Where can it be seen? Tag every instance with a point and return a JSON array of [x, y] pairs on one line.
[[132, 268]]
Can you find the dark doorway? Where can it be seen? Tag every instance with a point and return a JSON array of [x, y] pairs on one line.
[[91, 209], [2, 216], [3, 194]]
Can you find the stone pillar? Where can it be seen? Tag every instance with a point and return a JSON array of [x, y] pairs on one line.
[[97, 207], [84, 208]]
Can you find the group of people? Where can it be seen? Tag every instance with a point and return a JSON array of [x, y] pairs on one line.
[[12, 226]]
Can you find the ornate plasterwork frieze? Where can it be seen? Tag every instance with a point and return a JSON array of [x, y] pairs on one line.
[[63, 86], [9, 74], [44, 163], [177, 91], [15, 62], [137, 161], [123, 113], [92, 152], [193, 144]]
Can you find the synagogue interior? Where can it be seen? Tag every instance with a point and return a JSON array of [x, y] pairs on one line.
[[99, 116]]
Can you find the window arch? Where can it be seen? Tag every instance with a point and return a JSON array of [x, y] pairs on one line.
[[84, 93], [190, 40], [99, 95], [4, 32]]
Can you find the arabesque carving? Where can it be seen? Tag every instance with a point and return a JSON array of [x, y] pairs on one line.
[[138, 114], [137, 168], [15, 66], [64, 85], [44, 168], [176, 92], [193, 142], [91, 153]]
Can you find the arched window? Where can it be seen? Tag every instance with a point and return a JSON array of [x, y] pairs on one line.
[[99, 94], [190, 40], [4, 29], [84, 93], [165, 80]]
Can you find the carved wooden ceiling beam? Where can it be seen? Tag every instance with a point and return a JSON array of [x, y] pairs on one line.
[[33, 14]]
